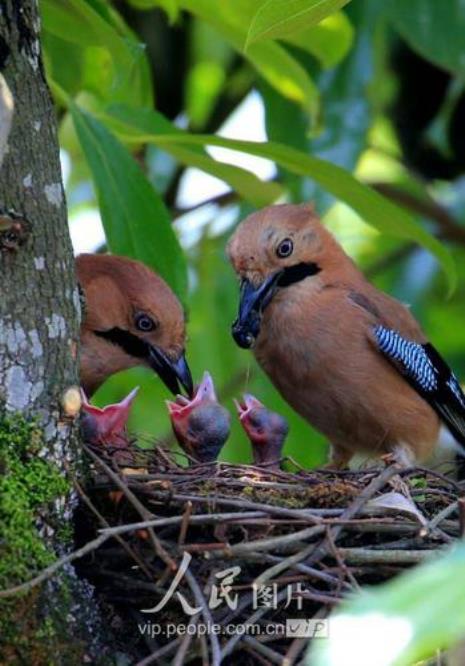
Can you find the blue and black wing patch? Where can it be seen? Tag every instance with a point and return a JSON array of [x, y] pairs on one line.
[[428, 373]]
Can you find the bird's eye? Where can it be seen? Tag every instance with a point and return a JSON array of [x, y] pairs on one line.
[[144, 323], [285, 248]]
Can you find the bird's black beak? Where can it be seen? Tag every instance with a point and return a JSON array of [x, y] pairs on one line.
[[172, 373], [252, 302]]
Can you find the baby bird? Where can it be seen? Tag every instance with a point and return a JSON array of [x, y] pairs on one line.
[[266, 430], [347, 357], [131, 317], [201, 425], [106, 425]]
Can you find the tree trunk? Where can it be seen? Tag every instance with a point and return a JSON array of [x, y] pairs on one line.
[[39, 334], [40, 301]]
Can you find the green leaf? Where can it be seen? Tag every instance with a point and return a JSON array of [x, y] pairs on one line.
[[76, 21], [329, 41], [131, 122], [435, 29], [272, 61], [375, 209], [343, 94], [169, 6], [64, 62], [134, 216], [210, 59], [89, 24], [284, 73], [406, 620], [279, 18]]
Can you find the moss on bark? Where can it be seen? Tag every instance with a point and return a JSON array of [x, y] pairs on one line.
[[29, 486]]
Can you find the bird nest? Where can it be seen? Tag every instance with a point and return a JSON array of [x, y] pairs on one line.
[[217, 562]]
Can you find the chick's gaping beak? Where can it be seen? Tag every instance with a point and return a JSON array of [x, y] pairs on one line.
[[248, 403], [204, 392], [252, 301], [172, 373]]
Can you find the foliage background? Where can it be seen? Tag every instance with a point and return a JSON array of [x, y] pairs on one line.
[[373, 86]]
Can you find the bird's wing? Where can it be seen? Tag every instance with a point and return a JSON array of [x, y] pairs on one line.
[[397, 335], [428, 373]]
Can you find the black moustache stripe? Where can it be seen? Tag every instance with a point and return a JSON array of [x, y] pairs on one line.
[[131, 344], [297, 273]]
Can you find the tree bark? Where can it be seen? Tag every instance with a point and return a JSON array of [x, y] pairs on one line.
[[39, 321], [39, 335]]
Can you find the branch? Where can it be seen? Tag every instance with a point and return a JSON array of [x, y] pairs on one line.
[[138, 506], [360, 556], [427, 207], [49, 571]]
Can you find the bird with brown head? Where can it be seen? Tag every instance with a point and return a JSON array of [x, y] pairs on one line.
[[131, 318], [349, 358]]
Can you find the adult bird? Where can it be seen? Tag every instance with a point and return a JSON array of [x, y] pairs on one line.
[[349, 358], [131, 317]]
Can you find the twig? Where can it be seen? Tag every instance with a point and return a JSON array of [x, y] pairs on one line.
[[337, 556], [188, 502], [461, 506], [267, 652], [257, 657], [220, 200], [259, 613], [50, 570], [319, 597], [390, 259], [85, 498], [359, 556], [311, 572], [185, 523], [434, 473], [201, 601], [367, 493], [376, 484], [428, 207], [311, 516], [162, 652], [138, 506], [294, 650], [442, 515], [269, 544], [180, 655], [207, 519]]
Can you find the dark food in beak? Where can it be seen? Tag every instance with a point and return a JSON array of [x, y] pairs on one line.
[[253, 301]]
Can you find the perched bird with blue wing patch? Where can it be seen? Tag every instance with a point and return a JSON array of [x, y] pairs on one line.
[[349, 358]]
